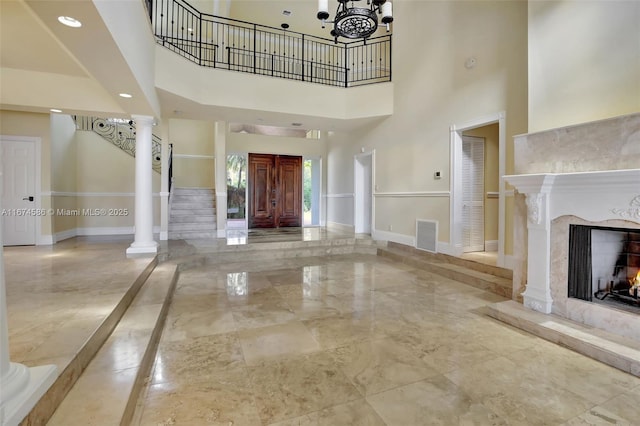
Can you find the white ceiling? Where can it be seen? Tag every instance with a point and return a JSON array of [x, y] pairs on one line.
[[32, 40]]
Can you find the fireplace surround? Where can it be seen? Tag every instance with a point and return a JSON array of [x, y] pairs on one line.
[[554, 201]]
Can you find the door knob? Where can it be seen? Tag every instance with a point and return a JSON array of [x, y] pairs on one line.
[[30, 198]]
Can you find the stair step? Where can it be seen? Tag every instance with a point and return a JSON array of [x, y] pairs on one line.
[[196, 191], [192, 198], [192, 218], [121, 367], [443, 258], [209, 211], [441, 266], [186, 205]]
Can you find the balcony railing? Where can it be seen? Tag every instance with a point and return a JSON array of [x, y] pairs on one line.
[[218, 42]]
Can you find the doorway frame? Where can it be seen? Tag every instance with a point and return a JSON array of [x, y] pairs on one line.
[[319, 196], [39, 238], [357, 191], [455, 201]]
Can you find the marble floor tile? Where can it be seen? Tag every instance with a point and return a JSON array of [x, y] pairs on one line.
[[197, 357], [356, 413], [433, 401], [294, 387], [379, 365], [225, 399], [276, 341]]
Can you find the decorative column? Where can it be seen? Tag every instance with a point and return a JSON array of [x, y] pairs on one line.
[[220, 144], [20, 387], [143, 240], [537, 189]]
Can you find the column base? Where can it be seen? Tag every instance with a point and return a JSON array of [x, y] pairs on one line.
[[18, 405], [540, 304], [143, 248]]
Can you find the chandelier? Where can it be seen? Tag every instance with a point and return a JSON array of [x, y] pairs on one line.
[[355, 22]]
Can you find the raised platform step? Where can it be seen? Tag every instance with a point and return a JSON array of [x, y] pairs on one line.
[[121, 367], [190, 235], [617, 351], [55, 395], [214, 253], [485, 277]]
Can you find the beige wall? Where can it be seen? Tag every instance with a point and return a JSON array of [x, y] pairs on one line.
[[106, 180], [584, 61], [64, 172], [193, 153], [434, 90]]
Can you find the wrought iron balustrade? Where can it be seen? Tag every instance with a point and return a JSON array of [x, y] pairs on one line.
[[121, 133], [218, 42]]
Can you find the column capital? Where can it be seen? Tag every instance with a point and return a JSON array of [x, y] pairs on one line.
[[143, 119]]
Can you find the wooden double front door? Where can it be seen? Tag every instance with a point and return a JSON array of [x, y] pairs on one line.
[[275, 191]]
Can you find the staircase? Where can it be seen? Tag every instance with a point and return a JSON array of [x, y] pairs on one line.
[[192, 213]]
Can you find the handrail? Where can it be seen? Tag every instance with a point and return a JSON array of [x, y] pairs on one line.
[[121, 133], [170, 168], [209, 40]]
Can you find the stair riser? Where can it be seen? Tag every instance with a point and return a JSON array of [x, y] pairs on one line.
[[193, 191], [191, 205], [204, 202], [226, 258], [488, 269], [497, 287], [192, 219]]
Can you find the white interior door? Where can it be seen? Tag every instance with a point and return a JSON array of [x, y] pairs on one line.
[[18, 192], [472, 194]]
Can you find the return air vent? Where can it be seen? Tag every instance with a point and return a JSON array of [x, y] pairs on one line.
[[427, 235]]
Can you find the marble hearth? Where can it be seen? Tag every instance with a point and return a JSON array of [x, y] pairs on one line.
[[554, 202]]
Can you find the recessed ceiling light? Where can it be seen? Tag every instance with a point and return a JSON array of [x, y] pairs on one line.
[[125, 95], [55, 110], [284, 26], [286, 12], [69, 21], [296, 124]]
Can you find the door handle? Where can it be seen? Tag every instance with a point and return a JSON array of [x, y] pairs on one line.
[[273, 203], [30, 198]]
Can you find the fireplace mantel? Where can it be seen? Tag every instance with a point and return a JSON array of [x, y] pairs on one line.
[[592, 196]]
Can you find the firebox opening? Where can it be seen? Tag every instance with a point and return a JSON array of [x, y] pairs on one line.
[[604, 265]]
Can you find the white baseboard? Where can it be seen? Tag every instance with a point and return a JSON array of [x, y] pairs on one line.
[[95, 231], [491, 245], [64, 235], [46, 240], [110, 230], [340, 227], [393, 237]]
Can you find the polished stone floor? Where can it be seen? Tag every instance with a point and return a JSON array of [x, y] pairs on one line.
[[361, 340], [342, 340]]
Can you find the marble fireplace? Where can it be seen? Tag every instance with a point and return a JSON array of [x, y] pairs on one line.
[[606, 196]]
